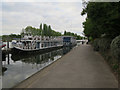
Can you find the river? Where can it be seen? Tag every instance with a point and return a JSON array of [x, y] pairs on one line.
[[18, 68]]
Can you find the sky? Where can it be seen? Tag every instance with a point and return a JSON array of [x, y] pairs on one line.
[[60, 15]]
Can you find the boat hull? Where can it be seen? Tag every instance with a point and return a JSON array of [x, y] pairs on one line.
[[21, 51]]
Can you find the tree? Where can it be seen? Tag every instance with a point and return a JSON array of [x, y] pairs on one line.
[[65, 32], [41, 28], [78, 37], [102, 18], [44, 30], [49, 30]]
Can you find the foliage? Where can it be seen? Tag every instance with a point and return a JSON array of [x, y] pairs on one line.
[[115, 47], [95, 45], [33, 30], [10, 37], [78, 37], [102, 44], [115, 66], [102, 18], [44, 30]]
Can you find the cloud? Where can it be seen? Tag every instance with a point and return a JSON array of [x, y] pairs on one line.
[[60, 15]]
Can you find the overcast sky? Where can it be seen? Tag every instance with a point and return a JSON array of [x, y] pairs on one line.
[[60, 15]]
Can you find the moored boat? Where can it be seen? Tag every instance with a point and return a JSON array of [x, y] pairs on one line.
[[30, 43]]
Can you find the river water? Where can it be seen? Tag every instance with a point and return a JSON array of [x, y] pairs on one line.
[[18, 68]]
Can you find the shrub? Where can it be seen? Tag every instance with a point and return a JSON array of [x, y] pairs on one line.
[[102, 44], [115, 67], [115, 48], [95, 45]]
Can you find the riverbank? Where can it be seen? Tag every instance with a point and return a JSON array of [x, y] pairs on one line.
[[80, 68]]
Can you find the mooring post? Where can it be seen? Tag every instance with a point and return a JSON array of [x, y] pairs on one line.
[[8, 59], [7, 44]]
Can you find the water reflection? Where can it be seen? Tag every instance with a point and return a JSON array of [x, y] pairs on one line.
[[20, 67]]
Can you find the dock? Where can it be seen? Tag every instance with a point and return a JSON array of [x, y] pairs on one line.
[[80, 68]]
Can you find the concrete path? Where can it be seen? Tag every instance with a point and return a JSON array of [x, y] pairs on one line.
[[80, 68]]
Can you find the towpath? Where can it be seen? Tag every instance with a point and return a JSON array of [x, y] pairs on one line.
[[80, 68]]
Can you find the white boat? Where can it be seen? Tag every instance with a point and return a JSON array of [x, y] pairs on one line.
[[30, 43]]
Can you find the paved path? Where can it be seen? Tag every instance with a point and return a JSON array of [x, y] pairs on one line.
[[80, 68]]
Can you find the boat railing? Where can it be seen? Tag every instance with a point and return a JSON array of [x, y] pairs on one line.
[[46, 41], [21, 46]]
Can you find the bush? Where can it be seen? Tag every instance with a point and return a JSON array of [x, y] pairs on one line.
[[115, 48], [102, 44], [95, 45], [115, 67]]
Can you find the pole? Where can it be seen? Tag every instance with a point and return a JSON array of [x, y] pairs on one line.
[[8, 59], [7, 44]]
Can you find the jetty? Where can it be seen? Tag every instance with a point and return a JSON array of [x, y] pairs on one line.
[[80, 68]]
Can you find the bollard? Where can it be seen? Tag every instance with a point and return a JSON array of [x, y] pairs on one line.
[[8, 59], [7, 44]]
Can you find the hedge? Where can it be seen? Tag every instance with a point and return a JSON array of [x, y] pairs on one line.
[[115, 48]]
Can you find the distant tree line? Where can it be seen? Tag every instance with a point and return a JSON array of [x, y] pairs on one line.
[[46, 30], [43, 30], [10, 37], [78, 37]]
